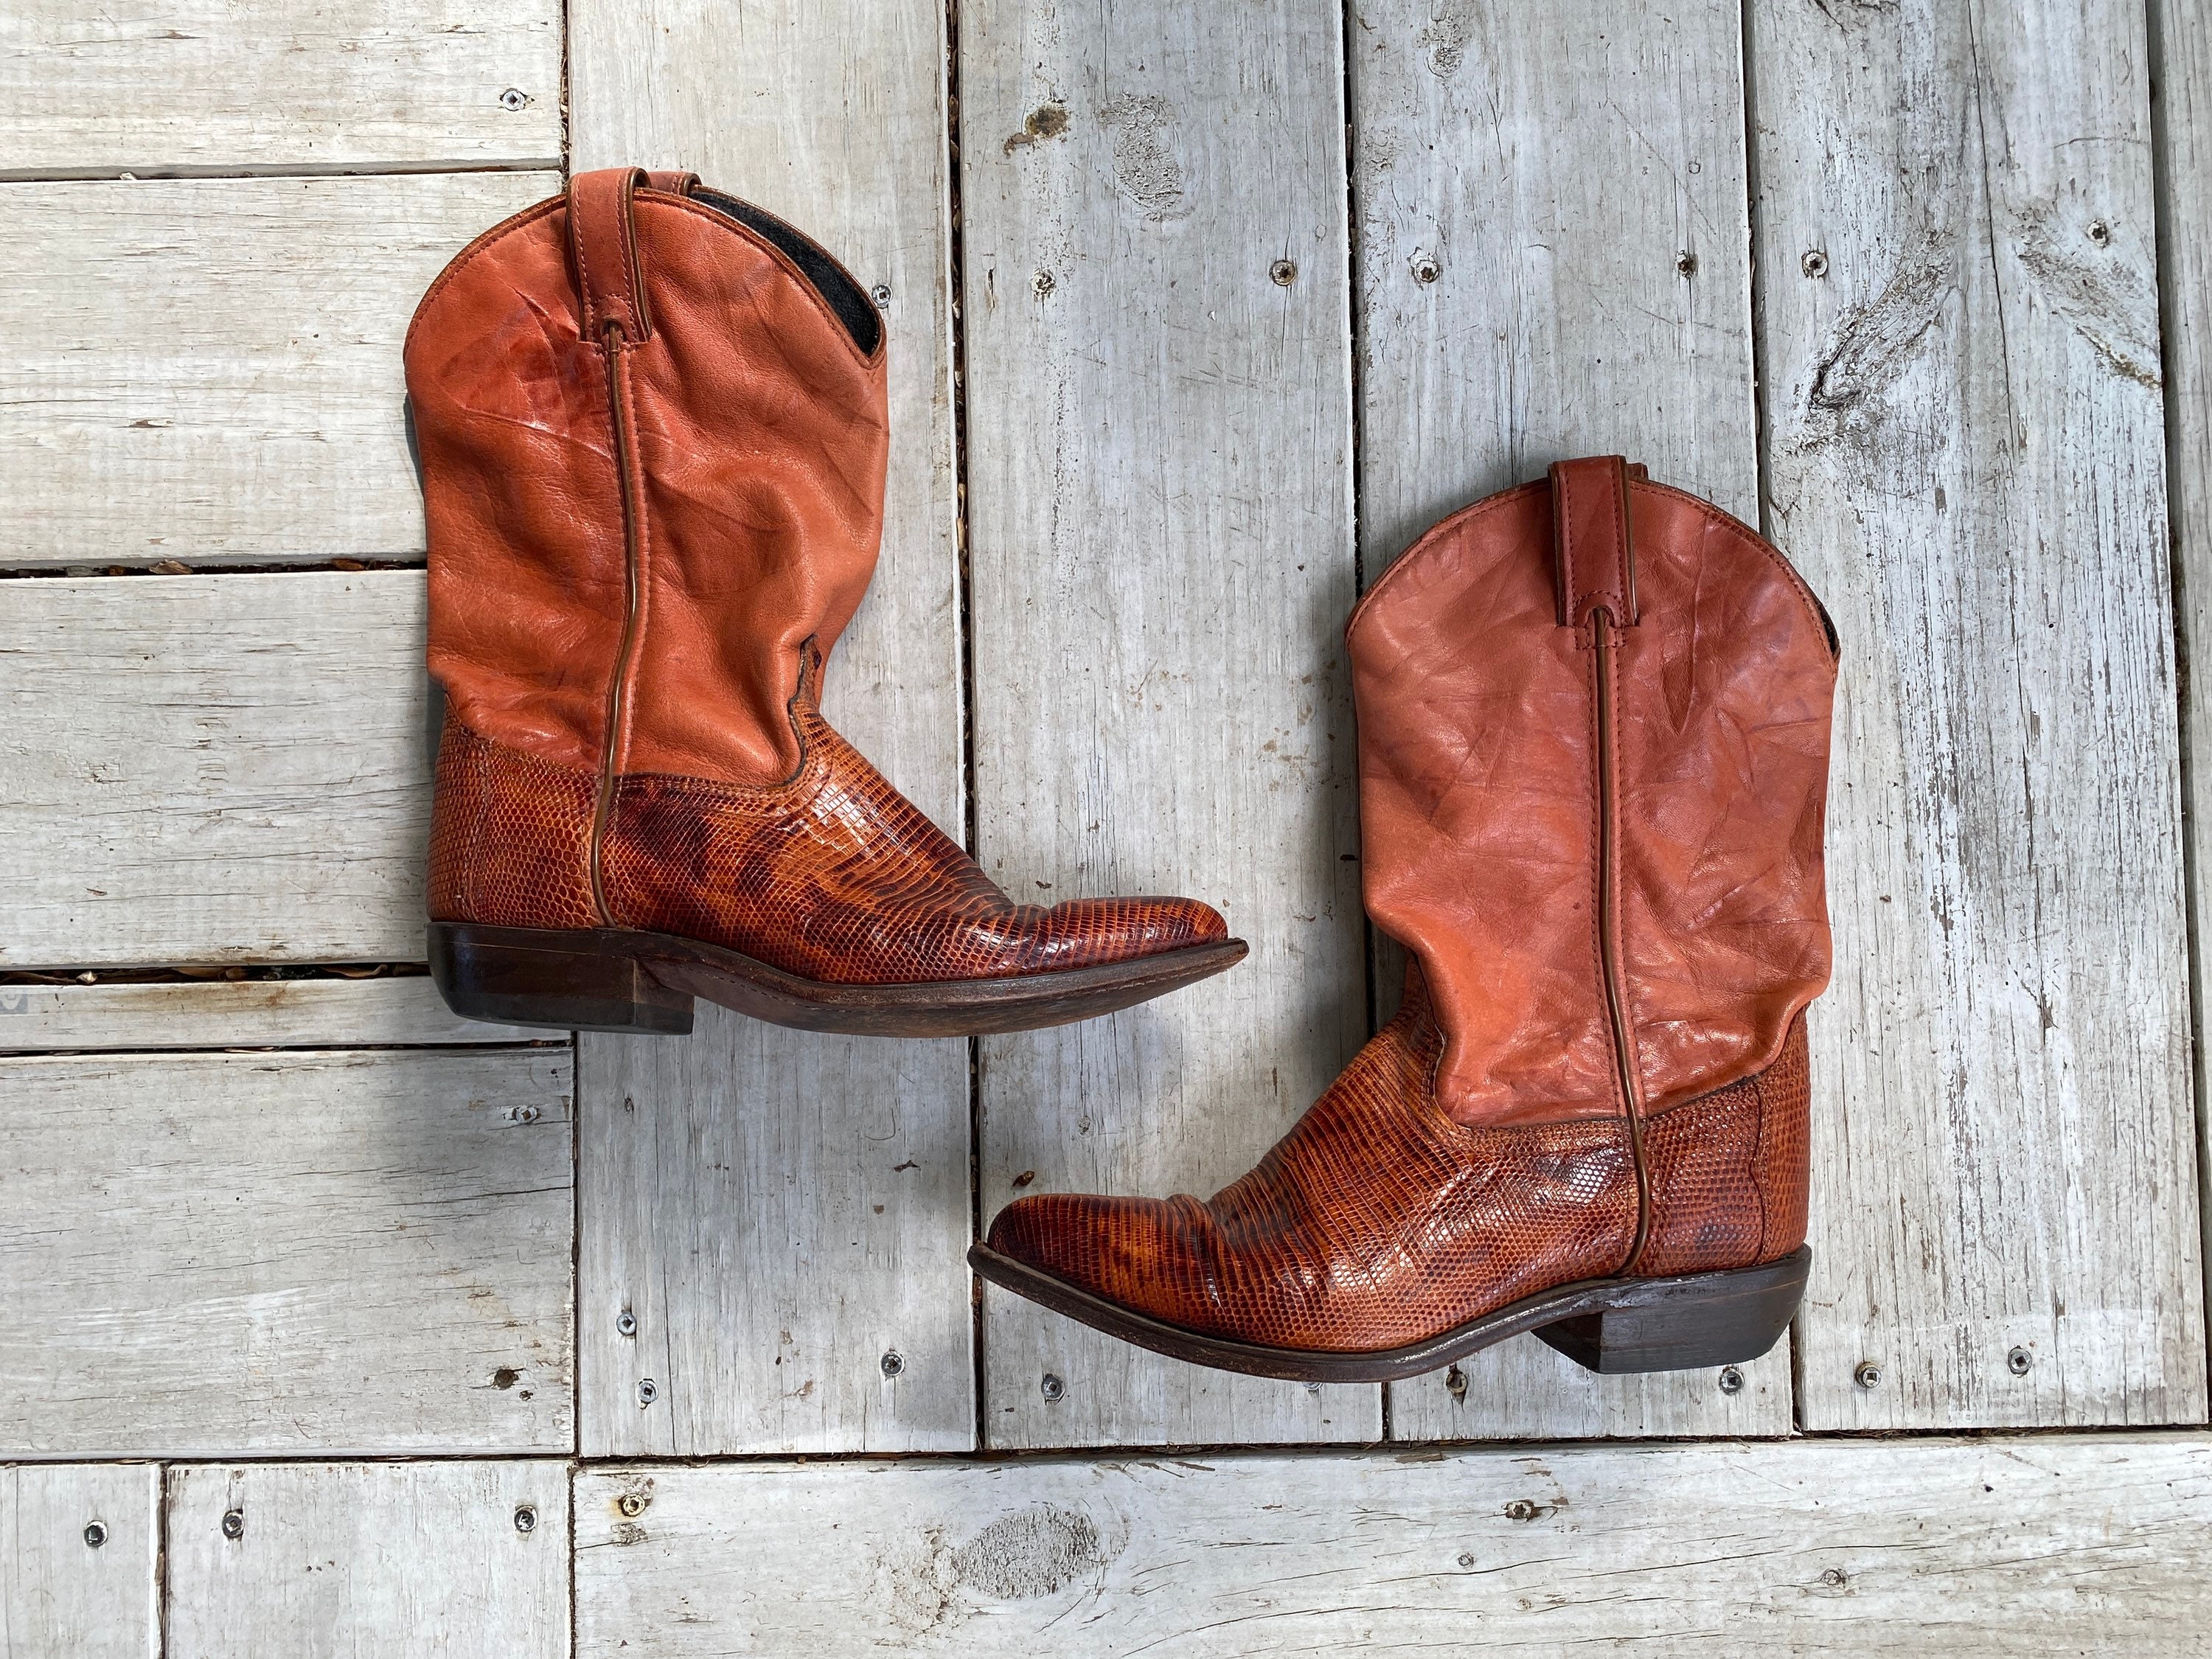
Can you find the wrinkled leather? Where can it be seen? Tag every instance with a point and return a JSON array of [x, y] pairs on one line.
[[1379, 1220], [1484, 1145], [1478, 779], [757, 433]]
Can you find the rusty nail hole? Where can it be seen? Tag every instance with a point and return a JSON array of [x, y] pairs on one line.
[[1051, 1387], [1043, 283], [625, 1323], [881, 294], [647, 1391], [1455, 1384], [2019, 1361], [1425, 268], [233, 1523], [1283, 273], [525, 1517], [1868, 1376], [2100, 232], [894, 1362], [1814, 264], [95, 1534], [512, 98], [1731, 1380], [632, 1505], [1686, 263], [1520, 1509]]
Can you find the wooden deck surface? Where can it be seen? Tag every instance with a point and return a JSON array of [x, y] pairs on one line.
[[336, 1325]]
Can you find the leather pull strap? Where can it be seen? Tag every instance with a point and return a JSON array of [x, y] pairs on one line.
[[676, 183], [1594, 559], [603, 250]]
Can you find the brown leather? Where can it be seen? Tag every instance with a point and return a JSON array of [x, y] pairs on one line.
[[1593, 728], [652, 430]]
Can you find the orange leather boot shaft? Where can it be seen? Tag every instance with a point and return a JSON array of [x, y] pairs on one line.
[[643, 360]]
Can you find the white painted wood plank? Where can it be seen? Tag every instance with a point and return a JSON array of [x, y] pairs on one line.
[[326, 1252], [1843, 1547], [1961, 349], [254, 84], [268, 1013], [779, 1215], [241, 762], [1159, 496], [214, 376], [60, 1593], [825, 1179], [2181, 113], [1523, 298], [362, 1561]]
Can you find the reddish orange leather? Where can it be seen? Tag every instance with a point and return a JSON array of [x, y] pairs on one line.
[[1478, 759], [653, 456], [1379, 1220], [1589, 515]]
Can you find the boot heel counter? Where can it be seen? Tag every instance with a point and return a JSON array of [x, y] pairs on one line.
[[510, 837]]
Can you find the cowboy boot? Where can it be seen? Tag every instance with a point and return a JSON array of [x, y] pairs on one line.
[[1592, 750], [651, 423]]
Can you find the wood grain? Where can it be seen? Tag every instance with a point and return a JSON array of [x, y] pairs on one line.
[[826, 1179], [267, 1013], [59, 1593], [241, 762], [2181, 113], [1557, 319], [314, 1253], [211, 85], [1159, 497], [369, 1561], [214, 376], [1960, 343], [2004, 1548]]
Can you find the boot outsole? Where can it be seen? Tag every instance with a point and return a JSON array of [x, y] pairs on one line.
[[1684, 1322], [611, 979]]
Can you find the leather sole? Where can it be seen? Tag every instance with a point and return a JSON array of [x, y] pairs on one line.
[[1685, 1322], [609, 979]]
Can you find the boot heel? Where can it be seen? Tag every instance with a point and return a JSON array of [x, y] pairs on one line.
[[1688, 1322], [571, 981]]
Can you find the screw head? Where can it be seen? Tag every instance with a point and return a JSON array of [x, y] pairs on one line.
[[512, 98], [1283, 273], [894, 1362], [1425, 269], [1466, 1559], [1686, 263], [632, 1505], [525, 1114], [2019, 1362], [1455, 1384], [2100, 232], [1051, 1387], [881, 294], [1520, 1509], [1814, 264], [1868, 1376], [525, 1517], [1041, 283], [95, 1534], [233, 1523], [1834, 1579], [1731, 1380], [647, 1391], [625, 1323]]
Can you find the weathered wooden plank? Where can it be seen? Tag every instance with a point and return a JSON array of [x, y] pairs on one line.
[[78, 1547], [216, 375], [1159, 495], [326, 1253], [2181, 113], [440, 1560], [825, 1179], [1960, 340], [242, 762], [214, 85], [1525, 297], [1841, 1547], [268, 1013]]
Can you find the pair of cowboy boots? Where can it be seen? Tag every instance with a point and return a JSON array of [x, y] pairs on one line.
[[1592, 732]]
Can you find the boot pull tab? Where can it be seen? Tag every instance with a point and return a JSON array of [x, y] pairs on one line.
[[1594, 559], [603, 250], [674, 183]]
